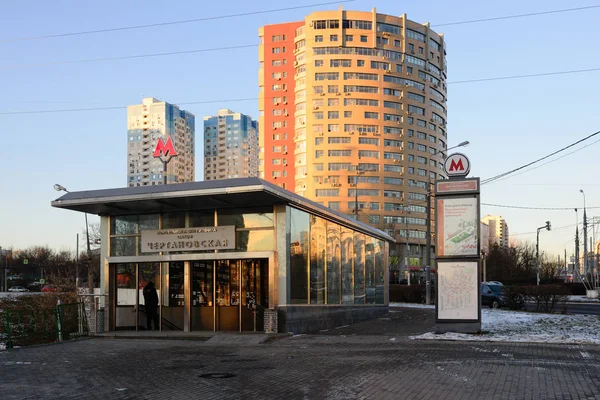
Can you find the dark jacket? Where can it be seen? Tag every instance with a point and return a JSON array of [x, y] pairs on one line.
[[150, 296]]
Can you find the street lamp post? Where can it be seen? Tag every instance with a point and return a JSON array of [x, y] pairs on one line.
[[585, 260], [537, 250], [407, 255], [428, 237], [60, 188]]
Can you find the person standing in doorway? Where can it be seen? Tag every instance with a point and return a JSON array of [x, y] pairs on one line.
[[151, 304]]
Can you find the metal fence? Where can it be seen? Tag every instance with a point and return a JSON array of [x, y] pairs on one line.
[[28, 327]]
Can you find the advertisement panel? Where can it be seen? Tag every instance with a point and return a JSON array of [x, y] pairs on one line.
[[457, 227], [458, 290]]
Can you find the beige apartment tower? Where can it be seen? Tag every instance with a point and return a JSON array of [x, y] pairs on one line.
[[358, 102], [498, 230], [146, 123]]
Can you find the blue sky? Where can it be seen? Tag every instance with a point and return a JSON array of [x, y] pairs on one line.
[[508, 123]]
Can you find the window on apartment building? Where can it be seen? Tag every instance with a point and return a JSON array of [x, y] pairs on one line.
[[318, 63], [364, 38], [276, 50], [349, 38], [333, 38], [318, 38]]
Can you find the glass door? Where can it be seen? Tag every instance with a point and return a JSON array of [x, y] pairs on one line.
[[255, 291], [202, 301], [227, 295]]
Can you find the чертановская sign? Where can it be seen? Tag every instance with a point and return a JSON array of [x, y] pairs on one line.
[[190, 239]]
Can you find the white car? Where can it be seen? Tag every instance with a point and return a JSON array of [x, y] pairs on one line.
[[18, 289]]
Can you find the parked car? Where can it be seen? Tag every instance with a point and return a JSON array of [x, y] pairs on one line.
[[495, 296], [18, 289], [50, 288]]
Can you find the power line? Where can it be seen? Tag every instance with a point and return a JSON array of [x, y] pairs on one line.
[[554, 229], [89, 60], [537, 208], [208, 101], [494, 178], [502, 78], [185, 21], [548, 162], [533, 14]]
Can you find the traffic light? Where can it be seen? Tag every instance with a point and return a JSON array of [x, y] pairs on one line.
[[548, 225]]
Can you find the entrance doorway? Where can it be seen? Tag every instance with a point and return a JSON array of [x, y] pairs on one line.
[[229, 295], [221, 295]]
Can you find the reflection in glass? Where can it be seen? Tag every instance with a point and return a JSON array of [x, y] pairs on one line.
[[123, 246], [123, 225], [359, 268], [200, 219], [334, 233], [298, 257], [379, 271], [202, 295], [148, 222], [347, 254], [251, 217], [174, 220], [173, 297], [147, 272], [370, 269], [318, 242], [125, 315], [255, 240]]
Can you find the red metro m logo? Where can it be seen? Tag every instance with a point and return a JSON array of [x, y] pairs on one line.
[[164, 149], [457, 165]]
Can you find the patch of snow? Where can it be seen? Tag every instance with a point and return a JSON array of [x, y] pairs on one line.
[[412, 305], [518, 326], [582, 299]]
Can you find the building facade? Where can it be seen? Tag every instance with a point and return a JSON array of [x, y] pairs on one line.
[[230, 146], [365, 116], [498, 230], [221, 264], [146, 123]]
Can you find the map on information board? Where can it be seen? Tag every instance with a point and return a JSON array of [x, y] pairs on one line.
[[458, 290], [457, 227]]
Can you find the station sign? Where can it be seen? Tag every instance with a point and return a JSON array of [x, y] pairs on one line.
[[457, 165], [188, 239]]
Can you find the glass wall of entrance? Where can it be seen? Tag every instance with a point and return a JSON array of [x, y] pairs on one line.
[[217, 295]]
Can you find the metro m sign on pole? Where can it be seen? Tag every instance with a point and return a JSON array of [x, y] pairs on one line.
[[165, 151], [457, 165]]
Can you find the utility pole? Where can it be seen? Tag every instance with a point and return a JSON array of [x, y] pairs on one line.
[[577, 245], [428, 247], [77, 263], [585, 260], [537, 250], [407, 258]]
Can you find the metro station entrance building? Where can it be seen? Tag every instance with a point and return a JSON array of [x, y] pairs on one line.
[[223, 254]]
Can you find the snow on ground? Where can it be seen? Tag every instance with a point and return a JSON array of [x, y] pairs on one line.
[[582, 299], [522, 326]]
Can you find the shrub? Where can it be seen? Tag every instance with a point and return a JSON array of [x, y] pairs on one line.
[[546, 297]]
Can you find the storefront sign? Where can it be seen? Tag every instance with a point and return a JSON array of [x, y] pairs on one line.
[[188, 239], [458, 288], [457, 226]]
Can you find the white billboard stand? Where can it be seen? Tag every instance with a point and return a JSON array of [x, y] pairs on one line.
[[458, 291]]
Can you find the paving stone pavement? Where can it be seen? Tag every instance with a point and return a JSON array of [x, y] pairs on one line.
[[348, 363]]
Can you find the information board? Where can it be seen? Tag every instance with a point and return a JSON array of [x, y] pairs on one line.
[[458, 290]]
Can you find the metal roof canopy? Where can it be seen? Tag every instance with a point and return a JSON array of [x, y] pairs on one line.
[[227, 193]]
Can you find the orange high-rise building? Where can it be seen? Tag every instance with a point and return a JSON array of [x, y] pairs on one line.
[[353, 116]]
